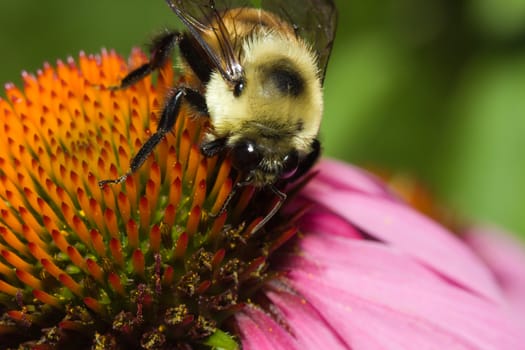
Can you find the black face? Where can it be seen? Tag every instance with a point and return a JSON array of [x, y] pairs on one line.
[[247, 156]]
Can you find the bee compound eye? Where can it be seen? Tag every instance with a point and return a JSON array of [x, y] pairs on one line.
[[246, 156], [238, 88], [290, 164]]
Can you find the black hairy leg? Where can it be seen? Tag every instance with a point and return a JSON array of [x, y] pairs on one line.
[[168, 118], [160, 51], [212, 148]]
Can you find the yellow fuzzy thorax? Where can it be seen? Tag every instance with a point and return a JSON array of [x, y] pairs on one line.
[[296, 119]]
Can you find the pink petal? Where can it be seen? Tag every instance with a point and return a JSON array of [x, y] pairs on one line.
[[305, 323], [408, 231], [505, 256], [320, 220], [258, 331], [378, 298], [337, 175]]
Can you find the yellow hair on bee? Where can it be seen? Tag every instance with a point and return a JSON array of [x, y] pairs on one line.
[[263, 108]]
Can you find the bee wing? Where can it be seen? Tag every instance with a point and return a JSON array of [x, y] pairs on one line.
[[204, 16], [313, 20]]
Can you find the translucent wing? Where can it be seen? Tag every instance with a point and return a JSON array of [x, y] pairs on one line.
[[313, 20], [198, 16], [201, 8]]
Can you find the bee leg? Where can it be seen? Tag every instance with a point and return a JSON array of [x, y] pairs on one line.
[[281, 196], [212, 148], [167, 121], [308, 162], [234, 190], [160, 51]]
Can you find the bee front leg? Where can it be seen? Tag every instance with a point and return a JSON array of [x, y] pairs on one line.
[[167, 121], [212, 148], [160, 51]]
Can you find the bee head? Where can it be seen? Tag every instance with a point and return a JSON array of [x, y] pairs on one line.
[[262, 165], [271, 115]]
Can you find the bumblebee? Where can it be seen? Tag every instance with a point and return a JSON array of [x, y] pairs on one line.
[[257, 74]]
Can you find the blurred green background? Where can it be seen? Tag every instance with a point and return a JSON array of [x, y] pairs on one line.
[[433, 88]]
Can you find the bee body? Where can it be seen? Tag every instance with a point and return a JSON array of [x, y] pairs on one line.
[[259, 81]]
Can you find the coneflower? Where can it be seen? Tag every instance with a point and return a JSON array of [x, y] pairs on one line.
[[147, 264]]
